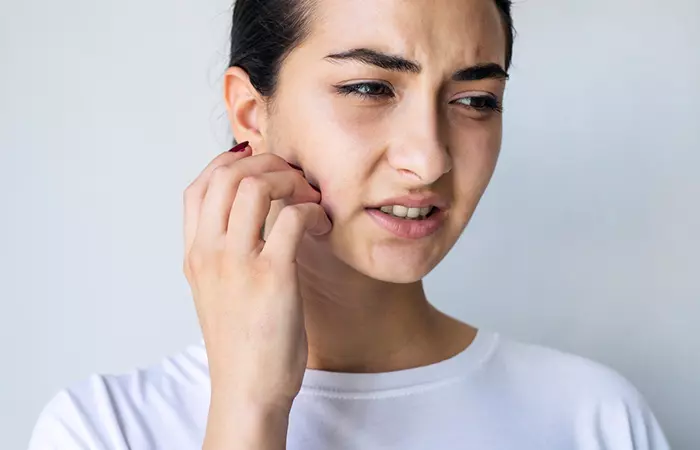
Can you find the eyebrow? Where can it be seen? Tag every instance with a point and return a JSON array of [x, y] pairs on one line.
[[481, 72], [399, 64], [375, 58]]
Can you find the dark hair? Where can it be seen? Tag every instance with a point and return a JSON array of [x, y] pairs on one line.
[[504, 6], [264, 32]]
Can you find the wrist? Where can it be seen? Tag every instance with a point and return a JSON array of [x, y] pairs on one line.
[[246, 425], [239, 404], [231, 392], [234, 401]]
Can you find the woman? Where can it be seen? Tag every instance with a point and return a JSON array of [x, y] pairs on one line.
[[371, 129]]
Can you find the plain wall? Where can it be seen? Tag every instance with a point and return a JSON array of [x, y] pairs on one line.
[[587, 239]]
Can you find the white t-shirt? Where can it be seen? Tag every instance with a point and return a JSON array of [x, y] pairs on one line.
[[497, 394]]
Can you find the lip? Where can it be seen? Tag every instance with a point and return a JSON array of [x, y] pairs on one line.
[[414, 201], [408, 228]]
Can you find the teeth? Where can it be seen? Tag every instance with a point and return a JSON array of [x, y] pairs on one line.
[[406, 212], [400, 211], [412, 213]]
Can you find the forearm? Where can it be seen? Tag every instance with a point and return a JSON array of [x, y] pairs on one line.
[[245, 426]]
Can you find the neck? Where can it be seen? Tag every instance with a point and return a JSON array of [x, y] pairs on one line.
[[358, 324]]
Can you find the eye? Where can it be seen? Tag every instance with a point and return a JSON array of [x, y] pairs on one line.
[[483, 103], [372, 90]]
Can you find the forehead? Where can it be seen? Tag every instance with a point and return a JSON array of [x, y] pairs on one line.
[[432, 32]]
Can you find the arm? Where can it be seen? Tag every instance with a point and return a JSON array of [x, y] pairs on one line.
[[246, 292], [246, 426]]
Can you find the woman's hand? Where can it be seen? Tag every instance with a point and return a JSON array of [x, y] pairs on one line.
[[246, 291]]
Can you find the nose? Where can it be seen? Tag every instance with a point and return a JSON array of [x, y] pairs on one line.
[[419, 152]]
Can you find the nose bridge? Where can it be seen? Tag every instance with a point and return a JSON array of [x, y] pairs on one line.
[[421, 147]]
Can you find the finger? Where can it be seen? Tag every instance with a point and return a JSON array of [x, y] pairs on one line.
[[252, 205], [293, 221], [194, 194], [197, 192], [223, 187]]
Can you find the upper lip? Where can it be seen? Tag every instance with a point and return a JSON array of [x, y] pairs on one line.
[[415, 201]]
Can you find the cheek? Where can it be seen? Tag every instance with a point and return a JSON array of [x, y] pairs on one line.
[[353, 120], [360, 117], [338, 153], [474, 161], [478, 141], [341, 181]]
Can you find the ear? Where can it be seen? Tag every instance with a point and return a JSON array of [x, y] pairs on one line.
[[246, 108]]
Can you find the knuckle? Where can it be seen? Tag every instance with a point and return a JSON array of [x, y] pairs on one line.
[[293, 214], [187, 269], [197, 260], [220, 173], [253, 185], [189, 195], [231, 266], [261, 267], [193, 184], [272, 158]]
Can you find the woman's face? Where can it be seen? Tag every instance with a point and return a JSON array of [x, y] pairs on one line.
[[407, 106]]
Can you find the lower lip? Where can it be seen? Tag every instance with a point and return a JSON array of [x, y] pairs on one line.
[[408, 228]]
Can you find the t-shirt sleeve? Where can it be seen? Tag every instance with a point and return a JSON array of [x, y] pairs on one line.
[[624, 422], [635, 424], [82, 417], [59, 426]]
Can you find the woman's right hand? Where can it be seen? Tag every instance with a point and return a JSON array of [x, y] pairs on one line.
[[245, 289]]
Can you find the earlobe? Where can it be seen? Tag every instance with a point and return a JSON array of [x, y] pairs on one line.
[[243, 103]]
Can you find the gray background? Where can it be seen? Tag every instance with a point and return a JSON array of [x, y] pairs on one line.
[[587, 239]]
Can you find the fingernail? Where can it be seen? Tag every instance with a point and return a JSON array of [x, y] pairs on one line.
[[240, 147]]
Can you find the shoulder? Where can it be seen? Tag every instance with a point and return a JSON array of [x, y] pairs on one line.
[[600, 406], [117, 411], [542, 366]]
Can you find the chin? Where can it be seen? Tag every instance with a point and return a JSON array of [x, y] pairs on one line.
[[384, 258], [400, 271], [394, 266]]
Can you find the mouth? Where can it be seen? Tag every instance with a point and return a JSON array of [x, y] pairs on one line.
[[416, 222], [408, 213]]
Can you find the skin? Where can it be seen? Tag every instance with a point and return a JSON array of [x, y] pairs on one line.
[[347, 297]]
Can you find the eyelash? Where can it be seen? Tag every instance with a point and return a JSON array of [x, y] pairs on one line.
[[354, 89], [489, 103]]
